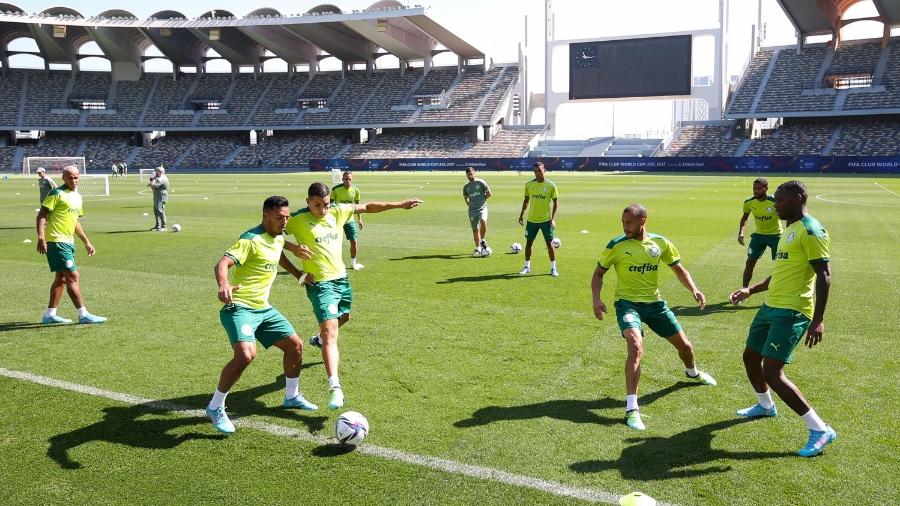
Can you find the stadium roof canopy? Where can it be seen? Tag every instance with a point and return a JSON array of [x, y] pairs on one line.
[[360, 36], [820, 17]]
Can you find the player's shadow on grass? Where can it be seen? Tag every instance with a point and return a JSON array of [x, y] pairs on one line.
[[128, 231], [11, 326], [677, 456], [719, 307], [488, 277], [166, 424], [569, 410], [438, 256]]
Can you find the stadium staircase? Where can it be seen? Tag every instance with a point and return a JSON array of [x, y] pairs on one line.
[[882, 64], [823, 68], [745, 145], [259, 102], [64, 102], [185, 153], [826, 151], [765, 81], [18, 156], [487, 93], [146, 108], [230, 158], [365, 103], [20, 116], [132, 155]]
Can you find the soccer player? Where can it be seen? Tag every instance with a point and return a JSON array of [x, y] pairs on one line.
[[475, 193], [319, 227], [57, 226], [159, 183], [541, 201], [636, 255], [45, 184], [768, 227], [346, 193], [801, 270], [247, 315]]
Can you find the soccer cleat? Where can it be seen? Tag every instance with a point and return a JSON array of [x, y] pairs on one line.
[[154, 229], [220, 420], [525, 270], [337, 398], [484, 244], [315, 341], [357, 267], [818, 440], [91, 318], [299, 403], [477, 252], [757, 411], [633, 420], [50, 320], [703, 378], [162, 229], [554, 272]]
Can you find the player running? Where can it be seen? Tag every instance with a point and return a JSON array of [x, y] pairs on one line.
[[541, 201], [475, 193], [768, 227], [345, 193]]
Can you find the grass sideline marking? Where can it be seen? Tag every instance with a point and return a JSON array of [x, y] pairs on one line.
[[888, 190], [450, 466], [823, 198]]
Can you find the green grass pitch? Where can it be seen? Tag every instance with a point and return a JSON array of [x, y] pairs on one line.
[[447, 355]]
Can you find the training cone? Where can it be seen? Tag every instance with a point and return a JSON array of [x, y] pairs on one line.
[[637, 499]]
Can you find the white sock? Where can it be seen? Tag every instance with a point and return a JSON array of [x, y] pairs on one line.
[[82, 312], [528, 264], [765, 399], [333, 382], [291, 387], [353, 261], [692, 371], [553, 264], [631, 402], [218, 400], [813, 421], [50, 312]]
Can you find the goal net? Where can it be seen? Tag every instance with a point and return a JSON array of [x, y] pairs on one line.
[[93, 185], [52, 164], [146, 173], [336, 176]]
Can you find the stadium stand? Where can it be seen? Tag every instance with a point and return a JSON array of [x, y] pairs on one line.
[[703, 140]]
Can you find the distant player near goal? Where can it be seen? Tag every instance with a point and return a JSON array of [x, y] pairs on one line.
[[57, 224], [346, 193], [475, 193], [768, 227]]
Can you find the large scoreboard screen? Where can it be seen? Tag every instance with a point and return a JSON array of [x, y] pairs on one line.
[[650, 67]]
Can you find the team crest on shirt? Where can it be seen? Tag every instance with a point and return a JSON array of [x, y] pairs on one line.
[[331, 220], [789, 238], [653, 251], [769, 209]]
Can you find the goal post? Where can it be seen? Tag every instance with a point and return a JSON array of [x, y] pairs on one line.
[[52, 164], [93, 185], [336, 176], [147, 173]]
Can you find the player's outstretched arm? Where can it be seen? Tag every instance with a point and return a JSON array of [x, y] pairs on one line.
[[596, 287], [688, 282], [221, 272], [823, 286], [377, 207], [745, 293], [299, 250], [79, 231]]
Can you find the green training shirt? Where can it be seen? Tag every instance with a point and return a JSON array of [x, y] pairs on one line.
[[637, 265], [803, 243], [65, 208], [764, 215], [540, 200], [341, 195], [325, 237], [256, 255]]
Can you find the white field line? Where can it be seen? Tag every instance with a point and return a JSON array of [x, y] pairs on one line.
[[449, 466], [887, 190], [824, 197]]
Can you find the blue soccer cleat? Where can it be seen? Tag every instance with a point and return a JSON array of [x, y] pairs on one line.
[[633, 420], [220, 420], [91, 318], [757, 411], [818, 440], [299, 403], [51, 320]]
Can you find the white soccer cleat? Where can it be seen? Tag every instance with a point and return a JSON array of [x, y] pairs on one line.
[[554, 272], [357, 267], [525, 270]]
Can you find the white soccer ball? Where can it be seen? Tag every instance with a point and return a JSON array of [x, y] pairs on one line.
[[351, 428], [515, 248], [556, 242], [176, 228]]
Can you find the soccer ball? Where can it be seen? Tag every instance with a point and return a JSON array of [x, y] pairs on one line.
[[515, 248], [556, 242], [351, 428], [176, 228]]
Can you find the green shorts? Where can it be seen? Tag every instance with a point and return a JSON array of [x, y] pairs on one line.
[[476, 216], [243, 324], [531, 230], [330, 299], [775, 332], [758, 243], [351, 230], [61, 256], [656, 315]]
